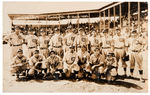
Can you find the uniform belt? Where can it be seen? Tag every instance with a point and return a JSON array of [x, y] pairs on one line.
[[78, 46], [57, 46], [68, 44], [43, 48], [31, 47], [118, 47], [72, 46], [17, 45], [135, 50], [94, 45], [105, 47]]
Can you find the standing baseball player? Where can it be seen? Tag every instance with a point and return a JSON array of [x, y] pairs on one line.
[[82, 40], [95, 41], [107, 43], [135, 48], [16, 41], [120, 53], [43, 44], [32, 42], [69, 39], [56, 43]]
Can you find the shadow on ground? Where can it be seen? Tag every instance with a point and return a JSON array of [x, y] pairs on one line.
[[119, 82]]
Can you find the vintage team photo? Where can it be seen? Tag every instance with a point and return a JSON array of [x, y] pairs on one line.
[[75, 47]]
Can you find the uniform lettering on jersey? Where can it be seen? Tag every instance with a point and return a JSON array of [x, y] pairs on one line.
[[83, 39], [108, 42], [45, 41], [34, 40], [121, 39], [59, 39], [96, 41], [72, 38], [72, 59]]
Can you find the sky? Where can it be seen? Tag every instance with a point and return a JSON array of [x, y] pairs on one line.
[[44, 7]]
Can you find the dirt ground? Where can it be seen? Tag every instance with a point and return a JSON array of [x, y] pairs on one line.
[[126, 85]]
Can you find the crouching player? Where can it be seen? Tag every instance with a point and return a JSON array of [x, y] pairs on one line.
[[70, 66], [96, 64], [35, 64], [19, 64], [110, 67], [54, 65], [83, 61]]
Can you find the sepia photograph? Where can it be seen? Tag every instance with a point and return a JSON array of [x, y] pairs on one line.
[[97, 47]]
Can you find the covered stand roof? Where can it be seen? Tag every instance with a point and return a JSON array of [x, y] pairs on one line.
[[50, 16]]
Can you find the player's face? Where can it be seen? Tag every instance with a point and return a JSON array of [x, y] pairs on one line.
[[94, 34], [83, 49], [134, 35], [43, 33], [57, 32], [105, 34], [109, 56], [69, 30], [31, 33], [81, 32], [96, 51], [17, 31], [20, 54], [118, 33], [36, 54], [52, 53], [71, 50]]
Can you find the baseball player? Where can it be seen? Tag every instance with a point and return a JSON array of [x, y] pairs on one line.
[[88, 33], [83, 61], [19, 64], [96, 64], [107, 42], [95, 41], [70, 66], [119, 45], [32, 42], [135, 48], [43, 44], [56, 43], [69, 39], [15, 40], [110, 70], [82, 40], [36, 64], [54, 64]]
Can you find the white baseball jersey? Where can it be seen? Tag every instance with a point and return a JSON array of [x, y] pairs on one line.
[[43, 41], [56, 40], [82, 40], [95, 41], [107, 41], [32, 40], [136, 43], [70, 58], [119, 41], [15, 39], [70, 39]]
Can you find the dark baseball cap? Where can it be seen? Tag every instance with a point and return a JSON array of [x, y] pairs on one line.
[[36, 52], [20, 51]]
